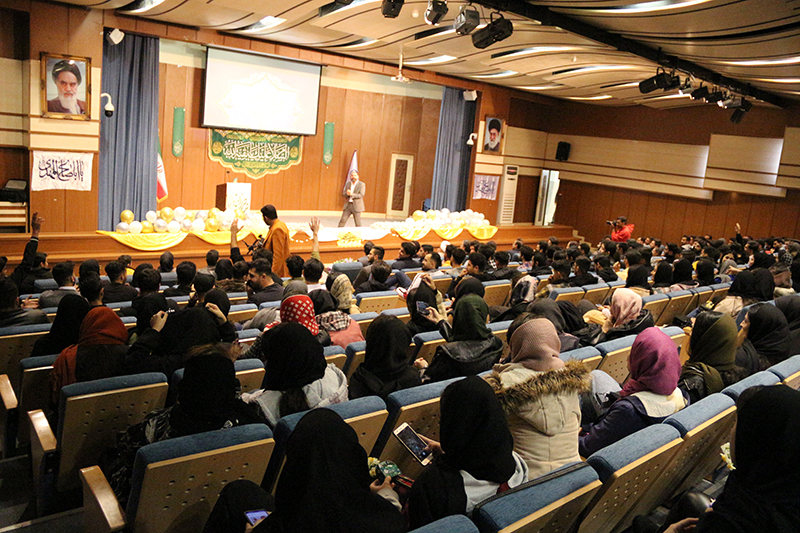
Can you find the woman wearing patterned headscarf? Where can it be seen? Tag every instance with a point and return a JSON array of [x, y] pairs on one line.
[[649, 396]]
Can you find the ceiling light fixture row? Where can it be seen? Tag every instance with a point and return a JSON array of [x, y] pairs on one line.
[[724, 98]]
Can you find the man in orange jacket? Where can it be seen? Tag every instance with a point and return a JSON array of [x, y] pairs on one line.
[[277, 239], [622, 230]]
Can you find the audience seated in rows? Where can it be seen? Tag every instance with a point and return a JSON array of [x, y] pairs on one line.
[[386, 368], [649, 395], [297, 376], [712, 356], [539, 394]]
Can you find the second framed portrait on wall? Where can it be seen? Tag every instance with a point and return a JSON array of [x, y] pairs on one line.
[[493, 135], [66, 86]]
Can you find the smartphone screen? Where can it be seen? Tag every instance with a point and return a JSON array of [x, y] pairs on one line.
[[422, 308], [254, 516], [413, 442]]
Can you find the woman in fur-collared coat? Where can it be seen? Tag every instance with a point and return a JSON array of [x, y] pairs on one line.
[[539, 394]]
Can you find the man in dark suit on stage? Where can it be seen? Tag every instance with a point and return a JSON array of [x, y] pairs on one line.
[[354, 192]]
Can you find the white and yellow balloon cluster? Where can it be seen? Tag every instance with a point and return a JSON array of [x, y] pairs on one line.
[[444, 218], [168, 220]]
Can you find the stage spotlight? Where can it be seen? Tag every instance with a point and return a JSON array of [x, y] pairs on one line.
[[660, 81], [730, 102], [688, 87], [495, 31], [391, 8], [467, 20], [436, 10], [714, 97], [699, 93], [741, 111], [674, 82]]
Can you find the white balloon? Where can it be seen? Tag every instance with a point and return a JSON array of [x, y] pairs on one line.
[[445, 211], [409, 220], [198, 225], [202, 215], [186, 225], [123, 227], [469, 211], [160, 225], [179, 214], [151, 217], [135, 227], [225, 224], [174, 226]]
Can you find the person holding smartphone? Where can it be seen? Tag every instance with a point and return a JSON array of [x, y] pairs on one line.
[[474, 459]]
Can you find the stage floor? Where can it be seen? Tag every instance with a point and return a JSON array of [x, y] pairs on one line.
[[78, 247]]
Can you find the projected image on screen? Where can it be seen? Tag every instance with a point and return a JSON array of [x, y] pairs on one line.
[[251, 92]]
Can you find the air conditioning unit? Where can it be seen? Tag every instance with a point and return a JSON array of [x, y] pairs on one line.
[[507, 195]]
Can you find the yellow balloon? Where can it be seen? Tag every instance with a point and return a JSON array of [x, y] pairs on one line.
[[240, 214], [147, 226], [126, 216], [212, 224], [166, 213], [189, 215], [431, 214], [418, 215], [213, 212]]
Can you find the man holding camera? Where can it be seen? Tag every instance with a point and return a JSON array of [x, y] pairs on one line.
[[622, 230]]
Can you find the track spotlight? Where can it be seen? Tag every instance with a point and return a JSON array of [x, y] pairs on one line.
[[495, 31], [391, 8], [716, 96], [731, 102], [699, 93], [688, 87], [673, 83], [467, 19], [741, 111], [660, 81], [436, 10]]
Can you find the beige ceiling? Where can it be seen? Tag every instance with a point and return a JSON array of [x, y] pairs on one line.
[[755, 42]]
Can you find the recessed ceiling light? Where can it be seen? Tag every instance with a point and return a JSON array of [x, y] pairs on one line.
[[504, 74], [597, 68], [141, 6], [649, 7], [540, 87], [603, 97], [431, 61], [263, 24], [777, 80], [357, 44], [534, 50], [762, 62]]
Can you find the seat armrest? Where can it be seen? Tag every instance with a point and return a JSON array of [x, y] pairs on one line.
[[8, 417], [43, 449], [101, 510], [7, 393]]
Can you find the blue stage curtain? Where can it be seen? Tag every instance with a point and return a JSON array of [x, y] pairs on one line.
[[129, 139], [451, 167]]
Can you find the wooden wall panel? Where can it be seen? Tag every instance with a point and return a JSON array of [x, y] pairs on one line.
[[13, 164], [586, 207], [527, 194], [376, 125]]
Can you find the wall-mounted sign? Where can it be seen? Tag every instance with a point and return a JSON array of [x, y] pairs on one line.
[[253, 153], [61, 170]]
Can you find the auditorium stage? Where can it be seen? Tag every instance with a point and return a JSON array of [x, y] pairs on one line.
[[81, 246]]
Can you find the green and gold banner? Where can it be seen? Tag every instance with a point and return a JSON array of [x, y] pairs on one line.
[[327, 143], [253, 153], [178, 125]]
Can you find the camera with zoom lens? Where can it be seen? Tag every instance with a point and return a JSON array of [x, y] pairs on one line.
[[611, 223]]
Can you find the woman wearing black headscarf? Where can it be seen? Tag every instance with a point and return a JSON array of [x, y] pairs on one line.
[[705, 273], [419, 323], [474, 459], [324, 487], [549, 309], [790, 307], [72, 309], [297, 376], [682, 276], [662, 278], [762, 260], [385, 368], [207, 400], [637, 280], [469, 285], [767, 339], [761, 494], [225, 274]]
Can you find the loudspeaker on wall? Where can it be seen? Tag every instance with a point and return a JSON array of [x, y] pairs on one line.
[[562, 151]]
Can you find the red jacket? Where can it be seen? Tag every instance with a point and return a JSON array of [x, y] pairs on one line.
[[623, 234]]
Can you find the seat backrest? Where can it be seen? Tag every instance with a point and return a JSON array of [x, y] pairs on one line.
[[250, 373], [496, 292], [678, 301], [615, 357], [335, 355], [628, 469], [704, 294], [34, 391], [181, 478], [569, 294], [704, 427], [551, 503], [364, 320], [15, 348], [93, 412], [788, 371], [426, 344], [419, 407], [655, 303], [442, 284], [450, 524], [590, 356], [596, 293], [241, 312], [720, 290], [350, 269], [378, 301], [355, 353], [759, 378]]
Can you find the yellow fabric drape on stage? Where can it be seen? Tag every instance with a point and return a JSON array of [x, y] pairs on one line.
[[148, 242], [482, 232], [218, 238], [448, 233], [411, 234]]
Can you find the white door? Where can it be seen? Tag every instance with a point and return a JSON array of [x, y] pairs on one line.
[[400, 175]]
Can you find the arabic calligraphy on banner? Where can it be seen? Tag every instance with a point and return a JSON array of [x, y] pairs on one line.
[[61, 170], [253, 153]]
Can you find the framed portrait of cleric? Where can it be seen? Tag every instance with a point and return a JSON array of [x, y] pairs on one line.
[[493, 135], [66, 86]]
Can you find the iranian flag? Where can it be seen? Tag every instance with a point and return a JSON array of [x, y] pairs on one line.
[[161, 178]]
